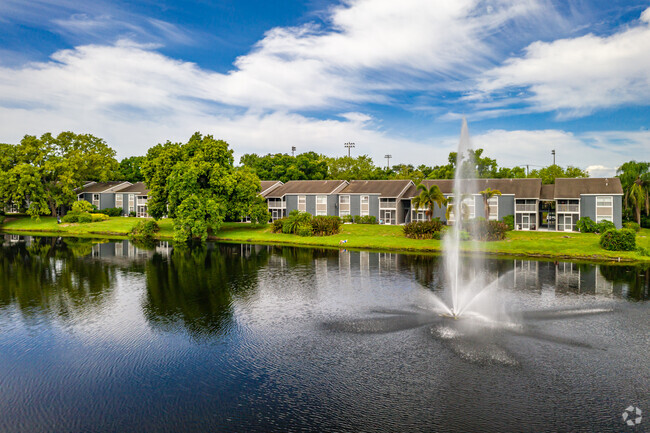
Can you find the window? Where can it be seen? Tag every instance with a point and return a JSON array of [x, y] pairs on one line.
[[564, 206], [604, 208], [387, 203], [365, 205], [469, 205], [523, 205], [118, 200], [321, 205], [96, 200], [493, 203], [419, 215], [302, 203], [131, 203], [344, 205]]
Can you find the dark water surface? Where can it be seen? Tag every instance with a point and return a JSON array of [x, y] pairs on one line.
[[109, 337]]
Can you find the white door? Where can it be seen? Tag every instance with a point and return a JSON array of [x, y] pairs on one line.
[[568, 223], [525, 222], [387, 217]]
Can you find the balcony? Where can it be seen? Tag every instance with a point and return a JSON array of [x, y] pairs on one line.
[[572, 208], [526, 208]]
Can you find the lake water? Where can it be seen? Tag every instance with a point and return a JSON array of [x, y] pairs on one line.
[[106, 336]]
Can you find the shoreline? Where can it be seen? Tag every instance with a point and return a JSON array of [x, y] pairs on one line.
[[532, 245]]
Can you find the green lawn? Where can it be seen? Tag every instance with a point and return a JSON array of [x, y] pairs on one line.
[[359, 236]]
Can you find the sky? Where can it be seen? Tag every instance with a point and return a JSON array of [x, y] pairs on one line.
[[394, 77]]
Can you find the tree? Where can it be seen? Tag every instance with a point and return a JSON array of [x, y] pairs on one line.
[[349, 168], [197, 185], [44, 172], [428, 198], [130, 169], [487, 194], [635, 180], [283, 167], [550, 173]]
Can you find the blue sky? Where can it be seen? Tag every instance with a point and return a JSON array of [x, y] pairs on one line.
[[394, 77]]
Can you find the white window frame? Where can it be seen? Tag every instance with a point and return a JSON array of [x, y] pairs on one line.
[[610, 216], [364, 208], [119, 198], [302, 203], [131, 203], [344, 205], [470, 202], [419, 215], [321, 205], [96, 201]]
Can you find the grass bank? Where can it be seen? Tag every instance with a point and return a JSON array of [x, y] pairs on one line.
[[583, 246]]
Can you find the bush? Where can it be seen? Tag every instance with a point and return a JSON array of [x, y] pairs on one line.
[[645, 222], [632, 226], [509, 220], [2, 219], [95, 217], [366, 219], [77, 217], [82, 206], [347, 218], [294, 220], [422, 229], [605, 225], [484, 230], [304, 230], [112, 211], [132, 213], [586, 225], [618, 240], [325, 225], [144, 230], [643, 251], [276, 226]]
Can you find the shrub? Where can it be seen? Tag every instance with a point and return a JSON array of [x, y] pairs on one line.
[[295, 219], [605, 225], [643, 251], [98, 217], [509, 220], [77, 217], [2, 219], [618, 240], [484, 230], [132, 213], [632, 226], [112, 211], [276, 226], [366, 219], [304, 230], [586, 225], [325, 225], [645, 222], [144, 230], [422, 229], [464, 236], [347, 218], [82, 206]]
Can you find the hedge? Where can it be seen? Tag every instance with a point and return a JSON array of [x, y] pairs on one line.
[[618, 240], [423, 229]]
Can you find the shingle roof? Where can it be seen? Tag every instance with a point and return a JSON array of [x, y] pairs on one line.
[[573, 188], [307, 187], [385, 188], [524, 188], [138, 187], [267, 186], [548, 192], [98, 187]]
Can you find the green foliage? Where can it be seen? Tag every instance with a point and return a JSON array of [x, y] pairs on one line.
[[132, 213], [643, 251], [487, 194], [509, 220], [484, 230], [618, 240], [197, 185], [428, 198], [586, 225], [112, 211], [45, 171], [550, 173], [645, 222], [349, 168], [276, 226], [294, 220], [144, 230], [366, 219], [82, 206], [96, 217], [2, 219], [632, 226], [604, 225], [77, 217], [423, 229], [347, 218], [130, 169], [283, 167], [304, 230], [325, 225]]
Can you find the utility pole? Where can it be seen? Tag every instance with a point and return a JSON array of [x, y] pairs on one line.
[[553, 153], [293, 150], [349, 146], [527, 171], [388, 157]]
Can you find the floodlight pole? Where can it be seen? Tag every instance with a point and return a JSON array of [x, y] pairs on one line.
[[388, 157], [553, 153], [293, 150], [348, 145]]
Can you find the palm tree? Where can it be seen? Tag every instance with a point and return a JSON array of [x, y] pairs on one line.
[[428, 198], [464, 209], [638, 196], [487, 194]]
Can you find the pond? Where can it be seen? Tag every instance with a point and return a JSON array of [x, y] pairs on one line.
[[109, 336]]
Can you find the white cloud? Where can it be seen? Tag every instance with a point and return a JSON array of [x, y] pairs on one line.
[[579, 75]]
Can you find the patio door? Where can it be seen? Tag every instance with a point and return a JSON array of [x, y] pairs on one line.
[[568, 223], [387, 216], [525, 222]]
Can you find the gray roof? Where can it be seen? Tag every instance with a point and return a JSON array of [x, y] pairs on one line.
[[385, 188], [138, 187], [268, 185], [573, 188], [307, 187], [98, 187], [548, 192], [524, 188]]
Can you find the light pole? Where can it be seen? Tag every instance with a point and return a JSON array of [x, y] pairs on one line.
[[293, 150], [349, 146], [553, 153], [388, 157]]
